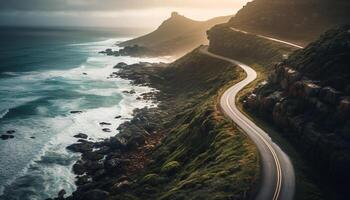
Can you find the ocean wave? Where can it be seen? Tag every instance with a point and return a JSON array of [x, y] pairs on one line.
[[104, 42], [3, 113]]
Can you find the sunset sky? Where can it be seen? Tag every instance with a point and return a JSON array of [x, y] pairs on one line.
[[109, 13]]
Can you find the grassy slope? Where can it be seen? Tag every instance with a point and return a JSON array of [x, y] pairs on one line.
[[203, 155], [262, 54]]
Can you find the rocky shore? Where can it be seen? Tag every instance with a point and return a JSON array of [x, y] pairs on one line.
[[107, 166], [133, 51]]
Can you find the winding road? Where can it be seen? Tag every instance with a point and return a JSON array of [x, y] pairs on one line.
[[277, 175]]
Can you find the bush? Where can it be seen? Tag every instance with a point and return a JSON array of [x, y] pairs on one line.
[[170, 168]]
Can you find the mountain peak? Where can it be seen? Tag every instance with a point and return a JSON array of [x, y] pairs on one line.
[[174, 14]]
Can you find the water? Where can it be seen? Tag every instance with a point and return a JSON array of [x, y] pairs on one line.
[[41, 80]]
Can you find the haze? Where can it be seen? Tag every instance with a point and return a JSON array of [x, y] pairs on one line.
[[109, 13]]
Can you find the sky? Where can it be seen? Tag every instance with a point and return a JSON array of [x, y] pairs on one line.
[[109, 13]]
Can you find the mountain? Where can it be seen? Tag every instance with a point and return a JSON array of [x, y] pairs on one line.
[[307, 96], [296, 20], [177, 35]]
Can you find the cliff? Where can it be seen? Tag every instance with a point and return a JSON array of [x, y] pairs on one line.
[[296, 20], [308, 97], [177, 35]]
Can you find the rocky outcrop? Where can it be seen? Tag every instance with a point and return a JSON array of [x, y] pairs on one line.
[[309, 109]]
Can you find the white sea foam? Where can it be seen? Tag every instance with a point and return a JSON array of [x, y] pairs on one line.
[[53, 164]]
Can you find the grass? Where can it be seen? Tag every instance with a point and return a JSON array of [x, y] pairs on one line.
[[203, 156]]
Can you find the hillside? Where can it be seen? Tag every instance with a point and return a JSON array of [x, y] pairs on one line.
[[308, 97], [177, 35], [296, 20], [183, 148]]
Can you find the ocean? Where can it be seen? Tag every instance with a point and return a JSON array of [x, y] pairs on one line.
[[45, 73]]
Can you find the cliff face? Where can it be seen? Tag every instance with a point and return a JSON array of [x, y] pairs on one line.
[[176, 35], [308, 97], [298, 20]]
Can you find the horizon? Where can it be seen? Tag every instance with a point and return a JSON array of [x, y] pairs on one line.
[[111, 14]]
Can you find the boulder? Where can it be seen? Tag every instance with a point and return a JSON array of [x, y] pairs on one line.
[[330, 95], [95, 194], [10, 131], [78, 168], [311, 89], [81, 135], [120, 65], [92, 155], [76, 112], [105, 124], [81, 147], [107, 130], [6, 137], [117, 143], [344, 108], [61, 194]]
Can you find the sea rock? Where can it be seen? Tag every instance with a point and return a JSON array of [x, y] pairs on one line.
[[83, 146], [120, 65], [107, 130], [10, 131], [6, 137], [81, 135], [105, 124], [61, 194], [76, 112], [78, 168]]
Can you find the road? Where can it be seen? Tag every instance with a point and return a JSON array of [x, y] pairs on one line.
[[270, 38], [277, 174]]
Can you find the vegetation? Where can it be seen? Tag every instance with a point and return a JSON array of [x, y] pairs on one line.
[[297, 20], [176, 36], [307, 98], [203, 155]]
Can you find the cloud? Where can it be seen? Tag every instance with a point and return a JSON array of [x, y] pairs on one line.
[[108, 5]]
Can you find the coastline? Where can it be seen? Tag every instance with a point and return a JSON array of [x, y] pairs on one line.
[[126, 152]]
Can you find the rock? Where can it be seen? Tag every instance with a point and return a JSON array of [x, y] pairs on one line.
[[82, 147], [94, 156], [81, 135], [138, 98], [82, 180], [78, 168], [118, 117], [120, 65], [311, 89], [117, 143], [105, 124], [95, 194], [107, 130], [330, 95], [93, 165], [344, 108], [10, 131], [132, 91], [123, 185], [61, 194], [76, 112], [6, 137]]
